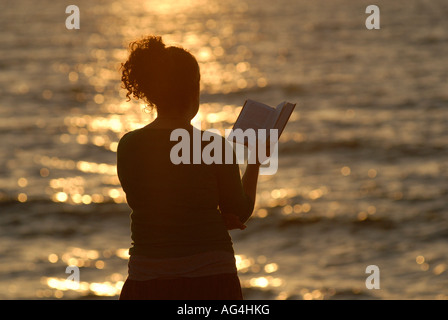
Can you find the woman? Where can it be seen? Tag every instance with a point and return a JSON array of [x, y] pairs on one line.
[[181, 248]]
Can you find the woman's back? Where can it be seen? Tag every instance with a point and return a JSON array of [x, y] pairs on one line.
[[175, 208]]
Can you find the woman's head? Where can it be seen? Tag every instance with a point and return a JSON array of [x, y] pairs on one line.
[[166, 78]]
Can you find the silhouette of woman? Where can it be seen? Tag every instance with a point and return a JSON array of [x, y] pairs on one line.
[[181, 214]]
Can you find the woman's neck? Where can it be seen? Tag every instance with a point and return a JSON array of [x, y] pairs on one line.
[[167, 122]]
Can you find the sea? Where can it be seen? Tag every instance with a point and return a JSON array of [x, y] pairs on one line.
[[358, 207]]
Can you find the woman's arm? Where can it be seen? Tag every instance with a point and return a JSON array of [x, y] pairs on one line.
[[237, 199], [249, 184], [236, 194], [250, 179]]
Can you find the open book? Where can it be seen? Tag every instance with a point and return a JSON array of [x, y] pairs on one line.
[[256, 115]]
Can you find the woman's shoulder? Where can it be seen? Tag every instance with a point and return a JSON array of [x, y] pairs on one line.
[[140, 135], [127, 138]]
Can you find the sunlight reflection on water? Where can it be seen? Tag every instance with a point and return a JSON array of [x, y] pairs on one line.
[[364, 154], [260, 270], [88, 261]]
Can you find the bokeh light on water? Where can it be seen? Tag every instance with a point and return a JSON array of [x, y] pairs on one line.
[[363, 165]]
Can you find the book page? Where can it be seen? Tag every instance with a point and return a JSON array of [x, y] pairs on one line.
[[254, 115], [285, 112], [274, 118]]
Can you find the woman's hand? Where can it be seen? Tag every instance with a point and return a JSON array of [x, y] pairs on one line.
[[232, 221]]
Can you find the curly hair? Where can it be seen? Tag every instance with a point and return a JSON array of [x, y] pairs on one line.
[[163, 77]]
